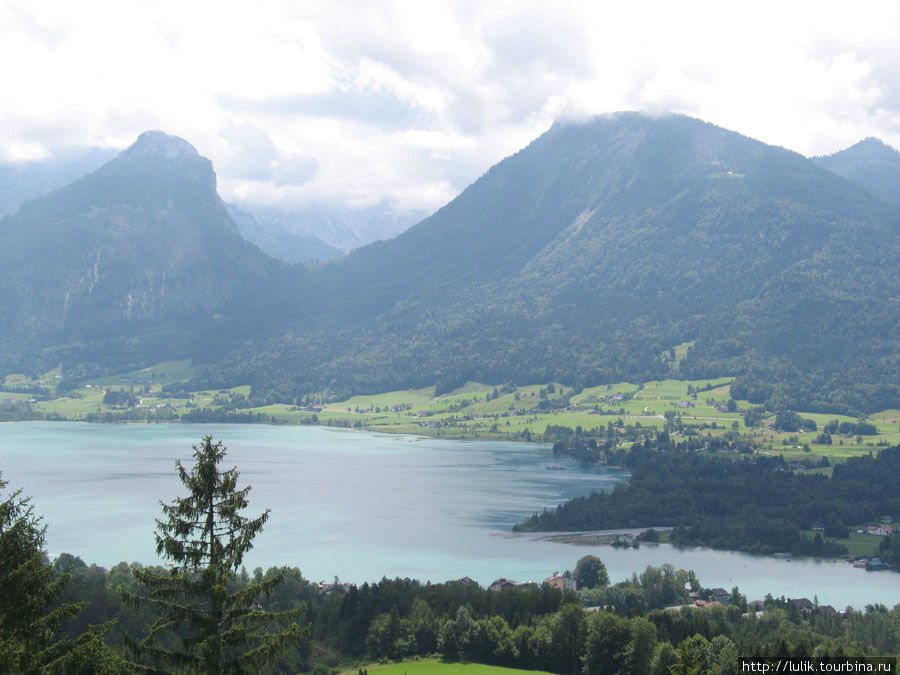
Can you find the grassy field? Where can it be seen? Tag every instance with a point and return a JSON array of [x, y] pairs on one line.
[[861, 544], [159, 374], [434, 667], [473, 411], [478, 410], [76, 405], [865, 545], [14, 396]]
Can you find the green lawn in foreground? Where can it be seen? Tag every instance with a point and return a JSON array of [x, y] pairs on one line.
[[434, 667]]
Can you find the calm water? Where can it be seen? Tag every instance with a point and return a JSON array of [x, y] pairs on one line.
[[361, 506]]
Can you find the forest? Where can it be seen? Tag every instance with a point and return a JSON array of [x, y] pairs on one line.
[[758, 504], [529, 627]]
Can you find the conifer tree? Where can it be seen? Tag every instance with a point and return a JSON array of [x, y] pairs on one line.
[[201, 627], [30, 612]]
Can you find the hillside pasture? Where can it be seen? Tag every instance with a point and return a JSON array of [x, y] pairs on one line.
[[165, 372]]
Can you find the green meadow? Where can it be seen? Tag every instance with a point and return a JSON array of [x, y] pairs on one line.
[[159, 374], [474, 410]]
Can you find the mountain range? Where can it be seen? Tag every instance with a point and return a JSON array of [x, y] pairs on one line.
[[872, 164], [286, 245], [587, 257], [309, 234], [339, 227]]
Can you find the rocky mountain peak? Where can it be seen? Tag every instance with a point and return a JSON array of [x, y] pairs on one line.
[[158, 151], [157, 143]]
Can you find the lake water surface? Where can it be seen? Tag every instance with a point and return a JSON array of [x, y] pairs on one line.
[[361, 505]]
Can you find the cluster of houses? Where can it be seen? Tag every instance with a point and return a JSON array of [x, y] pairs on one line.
[[870, 564], [722, 597], [806, 606], [719, 597], [562, 582], [880, 529], [332, 586], [158, 406]]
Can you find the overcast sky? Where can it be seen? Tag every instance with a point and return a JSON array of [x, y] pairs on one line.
[[409, 102]]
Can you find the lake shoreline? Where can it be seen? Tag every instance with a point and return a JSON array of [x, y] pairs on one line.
[[336, 427], [366, 505]]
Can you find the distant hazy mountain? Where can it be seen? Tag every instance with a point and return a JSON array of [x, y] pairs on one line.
[[282, 244], [341, 227], [21, 181], [140, 254], [872, 164]]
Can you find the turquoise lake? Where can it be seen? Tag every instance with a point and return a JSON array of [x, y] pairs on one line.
[[361, 505]]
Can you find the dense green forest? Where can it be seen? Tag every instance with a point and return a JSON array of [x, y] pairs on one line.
[[544, 271], [758, 504], [527, 627]]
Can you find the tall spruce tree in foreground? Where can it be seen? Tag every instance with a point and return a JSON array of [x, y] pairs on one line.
[[201, 626], [31, 614]]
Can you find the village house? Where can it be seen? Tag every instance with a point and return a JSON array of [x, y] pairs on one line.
[[331, 586], [879, 530], [503, 585], [805, 605], [561, 582], [720, 595]]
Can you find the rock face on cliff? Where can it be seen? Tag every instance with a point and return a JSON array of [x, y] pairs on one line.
[[142, 249]]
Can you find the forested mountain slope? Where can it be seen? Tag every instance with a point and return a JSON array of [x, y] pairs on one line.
[[872, 164], [136, 260], [589, 254], [585, 258]]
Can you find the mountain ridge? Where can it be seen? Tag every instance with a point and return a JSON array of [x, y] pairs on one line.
[[589, 229], [139, 249], [583, 258], [871, 163]]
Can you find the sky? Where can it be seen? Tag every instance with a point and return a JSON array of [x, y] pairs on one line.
[[406, 103]]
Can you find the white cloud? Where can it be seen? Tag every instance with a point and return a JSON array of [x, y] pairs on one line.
[[26, 152], [407, 101]]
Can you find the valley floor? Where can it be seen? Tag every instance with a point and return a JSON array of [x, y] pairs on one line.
[[519, 413]]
